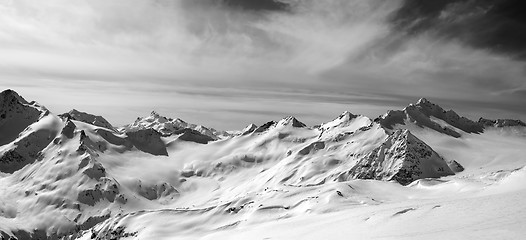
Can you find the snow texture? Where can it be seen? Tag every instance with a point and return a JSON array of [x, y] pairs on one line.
[[418, 173]]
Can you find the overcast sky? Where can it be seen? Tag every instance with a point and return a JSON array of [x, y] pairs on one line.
[[228, 63]]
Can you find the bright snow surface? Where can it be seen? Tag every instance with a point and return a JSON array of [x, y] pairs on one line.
[[340, 180]]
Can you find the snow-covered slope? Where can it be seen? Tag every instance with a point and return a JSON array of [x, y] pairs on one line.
[[352, 178]]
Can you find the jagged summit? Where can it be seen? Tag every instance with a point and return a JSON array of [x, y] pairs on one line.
[[249, 129], [347, 115], [424, 101], [292, 121], [501, 123], [344, 125], [284, 123], [402, 157], [95, 120], [156, 115], [343, 119], [427, 114], [62, 178], [10, 96], [169, 126], [16, 114]]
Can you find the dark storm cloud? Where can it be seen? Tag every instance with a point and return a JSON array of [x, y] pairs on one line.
[[498, 26], [232, 62], [257, 5], [247, 5]]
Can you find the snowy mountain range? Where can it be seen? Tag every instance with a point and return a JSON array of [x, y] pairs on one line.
[[76, 176]]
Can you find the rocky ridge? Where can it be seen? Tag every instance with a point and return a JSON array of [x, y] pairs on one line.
[[69, 162]]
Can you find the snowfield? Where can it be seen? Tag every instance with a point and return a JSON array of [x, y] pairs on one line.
[[417, 173]]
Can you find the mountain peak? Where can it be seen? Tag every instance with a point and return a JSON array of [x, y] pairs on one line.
[[423, 101], [10, 96], [501, 123], [95, 120], [423, 104], [291, 120], [16, 114], [249, 129], [169, 126], [427, 114], [404, 158], [155, 114], [346, 116]]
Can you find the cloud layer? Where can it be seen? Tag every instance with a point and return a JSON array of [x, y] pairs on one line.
[[227, 63]]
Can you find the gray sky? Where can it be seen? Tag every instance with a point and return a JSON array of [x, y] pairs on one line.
[[228, 63]]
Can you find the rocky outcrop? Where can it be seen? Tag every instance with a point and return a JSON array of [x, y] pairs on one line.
[[501, 123], [451, 117], [265, 127], [86, 144], [147, 140], [156, 191], [455, 166], [249, 129], [313, 147], [291, 121], [105, 188], [16, 114], [191, 135], [25, 150], [87, 118], [12, 161], [403, 158], [421, 114], [69, 129]]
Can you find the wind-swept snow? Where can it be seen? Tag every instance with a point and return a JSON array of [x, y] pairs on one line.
[[399, 176]]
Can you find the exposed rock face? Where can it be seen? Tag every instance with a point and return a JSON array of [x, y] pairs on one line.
[[291, 121], [105, 188], [69, 129], [265, 127], [78, 188], [191, 135], [455, 166], [16, 114], [392, 118], [148, 140], [249, 129], [501, 123], [157, 191], [25, 150], [86, 144], [315, 146], [12, 161], [421, 113], [404, 158], [87, 118], [450, 116]]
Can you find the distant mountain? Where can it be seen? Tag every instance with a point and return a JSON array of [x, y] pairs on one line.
[[427, 114], [168, 126], [87, 118], [76, 176]]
